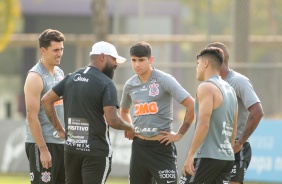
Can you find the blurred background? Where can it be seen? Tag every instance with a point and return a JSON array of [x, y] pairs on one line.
[[177, 31]]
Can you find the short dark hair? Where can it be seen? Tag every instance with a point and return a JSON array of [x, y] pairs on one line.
[[223, 48], [141, 49], [214, 54], [49, 35]]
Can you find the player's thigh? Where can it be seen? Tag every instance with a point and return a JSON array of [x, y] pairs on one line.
[[73, 168], [206, 171], [163, 165], [138, 169], [33, 155], [96, 169], [224, 175], [241, 164], [58, 168], [238, 171], [38, 174]]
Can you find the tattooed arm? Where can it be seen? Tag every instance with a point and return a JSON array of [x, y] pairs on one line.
[[116, 122], [48, 101], [169, 137]]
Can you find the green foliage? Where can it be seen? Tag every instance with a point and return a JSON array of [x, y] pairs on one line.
[[216, 16]]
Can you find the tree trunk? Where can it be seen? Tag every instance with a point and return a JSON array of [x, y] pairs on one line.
[[241, 30], [100, 19]]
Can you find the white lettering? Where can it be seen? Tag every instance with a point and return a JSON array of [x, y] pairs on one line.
[[278, 164], [262, 142], [224, 132], [80, 128], [261, 164], [78, 77]]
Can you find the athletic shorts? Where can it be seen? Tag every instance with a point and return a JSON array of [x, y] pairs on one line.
[[151, 159], [85, 169], [40, 175], [210, 171], [241, 164]]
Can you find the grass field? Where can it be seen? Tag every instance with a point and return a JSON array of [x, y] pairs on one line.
[[24, 179]]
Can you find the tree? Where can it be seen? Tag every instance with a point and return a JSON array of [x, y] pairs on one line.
[[100, 19], [9, 14]]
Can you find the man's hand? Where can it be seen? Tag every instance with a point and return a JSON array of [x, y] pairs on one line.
[[237, 147], [130, 134], [45, 157], [169, 137], [62, 134], [188, 166]]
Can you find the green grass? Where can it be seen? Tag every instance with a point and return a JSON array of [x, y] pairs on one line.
[[24, 179]]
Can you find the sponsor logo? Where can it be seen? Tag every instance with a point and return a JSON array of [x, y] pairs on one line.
[[78, 77], [46, 176], [146, 108], [80, 128], [139, 130], [167, 174], [143, 88], [154, 90], [55, 134], [31, 176]]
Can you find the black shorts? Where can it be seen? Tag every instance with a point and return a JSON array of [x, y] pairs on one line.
[[40, 175], [151, 159], [241, 164], [210, 171], [85, 169]]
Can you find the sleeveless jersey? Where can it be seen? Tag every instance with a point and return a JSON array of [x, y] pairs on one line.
[[152, 101], [246, 97], [49, 132], [217, 143]]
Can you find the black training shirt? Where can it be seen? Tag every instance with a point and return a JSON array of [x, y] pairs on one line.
[[85, 93]]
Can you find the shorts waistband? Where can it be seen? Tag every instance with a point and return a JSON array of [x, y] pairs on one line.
[[147, 142]]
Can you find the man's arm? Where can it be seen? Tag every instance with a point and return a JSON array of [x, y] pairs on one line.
[[116, 122], [205, 99], [48, 101], [169, 137], [125, 115], [256, 113], [234, 132], [32, 89]]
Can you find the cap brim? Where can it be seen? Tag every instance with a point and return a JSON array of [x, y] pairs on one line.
[[120, 59]]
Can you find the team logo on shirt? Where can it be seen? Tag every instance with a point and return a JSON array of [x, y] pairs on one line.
[[154, 90], [59, 78]]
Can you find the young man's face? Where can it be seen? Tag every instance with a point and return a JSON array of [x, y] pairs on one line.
[[141, 65], [53, 54], [200, 69]]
